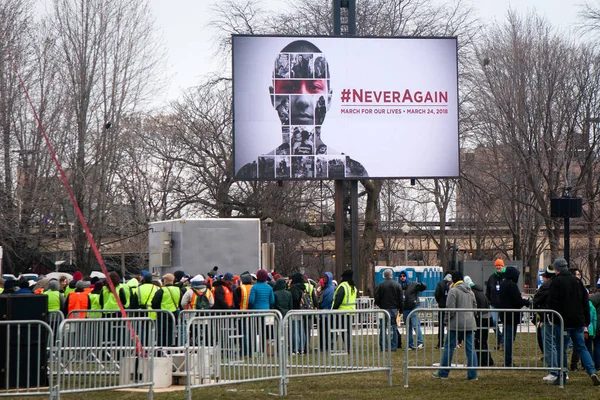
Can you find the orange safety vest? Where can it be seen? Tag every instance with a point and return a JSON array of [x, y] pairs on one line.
[[227, 293], [78, 301], [192, 303], [245, 296]]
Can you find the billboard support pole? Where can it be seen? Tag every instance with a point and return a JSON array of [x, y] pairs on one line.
[[348, 22]]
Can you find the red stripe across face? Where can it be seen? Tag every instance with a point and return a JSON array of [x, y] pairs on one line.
[[300, 86]]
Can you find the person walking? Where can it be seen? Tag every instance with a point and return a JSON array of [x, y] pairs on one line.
[[569, 298], [388, 296], [482, 318], [460, 295]]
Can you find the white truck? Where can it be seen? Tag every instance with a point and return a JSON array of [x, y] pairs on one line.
[[196, 246]]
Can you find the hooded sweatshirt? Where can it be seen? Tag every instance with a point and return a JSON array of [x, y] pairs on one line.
[[283, 298], [327, 293], [510, 296], [460, 295]]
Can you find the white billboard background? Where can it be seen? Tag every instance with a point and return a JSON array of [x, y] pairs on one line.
[[409, 145]]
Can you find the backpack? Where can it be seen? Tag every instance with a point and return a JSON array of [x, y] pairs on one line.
[[202, 302], [306, 302]]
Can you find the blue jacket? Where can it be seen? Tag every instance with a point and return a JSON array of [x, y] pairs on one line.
[[261, 296], [327, 294]]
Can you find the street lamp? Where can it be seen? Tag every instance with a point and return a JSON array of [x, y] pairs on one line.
[[269, 224], [405, 228]]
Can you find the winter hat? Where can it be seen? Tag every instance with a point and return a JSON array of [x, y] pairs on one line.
[[228, 276], [147, 278], [468, 281], [499, 263], [297, 278], [276, 277], [246, 279], [262, 275], [80, 285], [347, 274], [448, 278], [253, 276], [178, 275], [144, 272], [213, 272], [560, 265], [98, 286], [93, 280], [457, 276], [548, 274], [77, 276], [198, 280]]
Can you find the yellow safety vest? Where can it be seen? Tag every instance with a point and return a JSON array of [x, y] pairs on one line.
[[349, 302], [94, 305], [146, 292], [53, 299], [170, 298]]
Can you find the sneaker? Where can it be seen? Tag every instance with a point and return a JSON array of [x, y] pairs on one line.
[[471, 379], [420, 346], [435, 375], [595, 379], [459, 346], [549, 377], [411, 348]]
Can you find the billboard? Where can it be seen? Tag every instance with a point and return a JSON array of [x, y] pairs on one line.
[[345, 107]]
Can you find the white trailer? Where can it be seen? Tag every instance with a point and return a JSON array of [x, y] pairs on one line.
[[195, 246]]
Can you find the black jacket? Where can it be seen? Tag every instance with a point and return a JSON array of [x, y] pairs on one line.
[[568, 297], [482, 301], [510, 297], [492, 289], [388, 295], [411, 294], [441, 292]]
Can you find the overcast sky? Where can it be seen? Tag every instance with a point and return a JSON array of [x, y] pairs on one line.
[[183, 25]]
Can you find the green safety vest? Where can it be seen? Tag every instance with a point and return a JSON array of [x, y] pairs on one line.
[[94, 305], [349, 302], [146, 292], [110, 303], [53, 299], [170, 298]]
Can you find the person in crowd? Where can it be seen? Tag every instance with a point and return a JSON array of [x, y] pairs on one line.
[[197, 296], [459, 296], [241, 294], [388, 296], [132, 290], [411, 291], [146, 292], [595, 352], [492, 292], [107, 298], [77, 300], [94, 297], [77, 276], [482, 318], [63, 282], [311, 290], [325, 303], [297, 290], [261, 294], [24, 287], [440, 294], [1, 285], [511, 298], [544, 322], [223, 292], [283, 297], [569, 298], [56, 299], [576, 272], [344, 298], [167, 298]]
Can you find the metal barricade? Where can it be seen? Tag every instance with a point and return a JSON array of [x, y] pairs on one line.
[[240, 347], [55, 317], [166, 334], [526, 335], [104, 353], [24, 366], [335, 342]]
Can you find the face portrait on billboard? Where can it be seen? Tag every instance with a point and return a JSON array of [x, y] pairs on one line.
[[301, 96]]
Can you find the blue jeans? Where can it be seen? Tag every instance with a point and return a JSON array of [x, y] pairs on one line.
[[393, 326], [449, 351], [510, 333], [413, 325], [576, 335], [298, 338], [550, 336], [499, 335]]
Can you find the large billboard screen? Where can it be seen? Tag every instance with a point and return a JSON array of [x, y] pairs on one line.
[[345, 107]]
